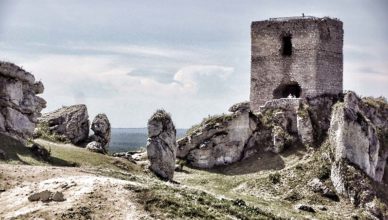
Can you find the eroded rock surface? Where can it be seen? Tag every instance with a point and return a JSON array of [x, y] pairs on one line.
[[354, 137], [225, 139], [219, 140], [72, 122], [161, 144], [102, 130], [19, 104], [358, 143]]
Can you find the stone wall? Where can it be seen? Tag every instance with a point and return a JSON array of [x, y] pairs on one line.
[[315, 63], [19, 104]]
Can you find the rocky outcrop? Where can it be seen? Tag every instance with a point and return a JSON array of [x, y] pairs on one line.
[[19, 104], [218, 140], [225, 139], [102, 131], [72, 122], [320, 109], [161, 144], [354, 137], [357, 136]]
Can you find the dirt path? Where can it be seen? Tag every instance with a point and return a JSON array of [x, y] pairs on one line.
[[88, 196]]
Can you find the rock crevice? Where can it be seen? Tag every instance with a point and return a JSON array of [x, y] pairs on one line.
[[20, 106]]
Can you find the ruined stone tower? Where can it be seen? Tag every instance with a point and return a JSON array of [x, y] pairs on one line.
[[301, 56]]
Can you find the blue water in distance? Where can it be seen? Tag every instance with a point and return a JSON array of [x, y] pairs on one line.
[[131, 139]]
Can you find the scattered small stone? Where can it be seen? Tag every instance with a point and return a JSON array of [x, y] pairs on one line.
[[179, 167], [126, 155], [43, 196], [46, 196], [95, 146], [322, 208], [316, 185], [305, 208], [57, 197]]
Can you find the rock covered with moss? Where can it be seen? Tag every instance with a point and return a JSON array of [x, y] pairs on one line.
[[19, 104], [70, 122], [161, 144]]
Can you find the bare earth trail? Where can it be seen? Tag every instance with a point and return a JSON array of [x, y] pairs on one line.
[[87, 195]]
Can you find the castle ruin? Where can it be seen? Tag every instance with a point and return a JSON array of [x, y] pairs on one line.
[[297, 56]]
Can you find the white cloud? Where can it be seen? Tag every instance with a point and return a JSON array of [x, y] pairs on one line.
[[190, 77], [103, 83]]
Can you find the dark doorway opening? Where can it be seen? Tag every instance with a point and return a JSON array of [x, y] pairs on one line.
[[290, 89], [287, 45]]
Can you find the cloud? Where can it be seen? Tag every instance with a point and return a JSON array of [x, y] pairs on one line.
[[204, 80], [368, 69]]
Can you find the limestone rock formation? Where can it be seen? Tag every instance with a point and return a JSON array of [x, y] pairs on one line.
[[218, 140], [19, 104], [304, 126], [240, 107], [358, 143], [225, 139], [355, 137], [72, 122], [161, 144], [102, 130]]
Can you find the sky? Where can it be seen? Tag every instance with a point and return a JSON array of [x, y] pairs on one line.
[[192, 58]]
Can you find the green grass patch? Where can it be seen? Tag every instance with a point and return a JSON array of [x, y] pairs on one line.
[[60, 155], [210, 121], [169, 202], [17, 152], [68, 154], [43, 131]]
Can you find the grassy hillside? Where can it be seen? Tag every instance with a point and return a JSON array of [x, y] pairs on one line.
[[265, 186], [61, 155]]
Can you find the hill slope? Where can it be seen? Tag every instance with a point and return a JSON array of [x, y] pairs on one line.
[[263, 187]]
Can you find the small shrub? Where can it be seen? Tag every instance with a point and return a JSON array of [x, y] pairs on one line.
[[239, 202], [324, 172], [293, 196], [274, 178], [181, 164], [43, 131]]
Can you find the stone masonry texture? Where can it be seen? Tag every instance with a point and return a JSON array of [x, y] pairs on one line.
[[302, 52]]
